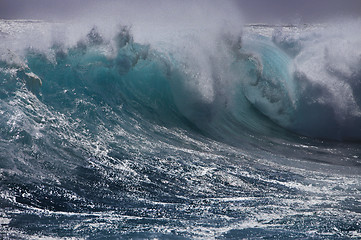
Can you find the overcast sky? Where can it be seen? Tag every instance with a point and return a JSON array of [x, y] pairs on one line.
[[298, 10], [290, 11]]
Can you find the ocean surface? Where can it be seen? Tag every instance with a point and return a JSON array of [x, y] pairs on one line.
[[198, 134]]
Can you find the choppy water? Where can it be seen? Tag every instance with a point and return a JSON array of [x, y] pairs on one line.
[[206, 136]]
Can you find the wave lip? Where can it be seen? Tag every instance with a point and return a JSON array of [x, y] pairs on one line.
[[323, 78], [329, 80]]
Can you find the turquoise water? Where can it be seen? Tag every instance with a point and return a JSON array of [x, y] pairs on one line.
[[254, 136]]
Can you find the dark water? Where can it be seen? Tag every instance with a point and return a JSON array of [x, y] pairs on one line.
[[253, 136]]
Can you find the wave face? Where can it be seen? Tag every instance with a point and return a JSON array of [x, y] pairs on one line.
[[216, 135]]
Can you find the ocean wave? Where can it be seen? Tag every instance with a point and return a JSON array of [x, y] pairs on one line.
[[212, 128], [296, 78]]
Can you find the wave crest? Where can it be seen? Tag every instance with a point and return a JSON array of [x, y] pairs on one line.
[[306, 82]]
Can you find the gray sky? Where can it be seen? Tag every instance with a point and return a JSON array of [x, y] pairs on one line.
[[298, 10], [290, 11]]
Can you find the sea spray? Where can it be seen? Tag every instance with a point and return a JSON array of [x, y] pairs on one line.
[[130, 137]]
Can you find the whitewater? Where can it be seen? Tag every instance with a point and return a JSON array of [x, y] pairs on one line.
[[219, 130]]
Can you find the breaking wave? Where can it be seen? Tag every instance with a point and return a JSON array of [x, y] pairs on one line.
[[115, 131]]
